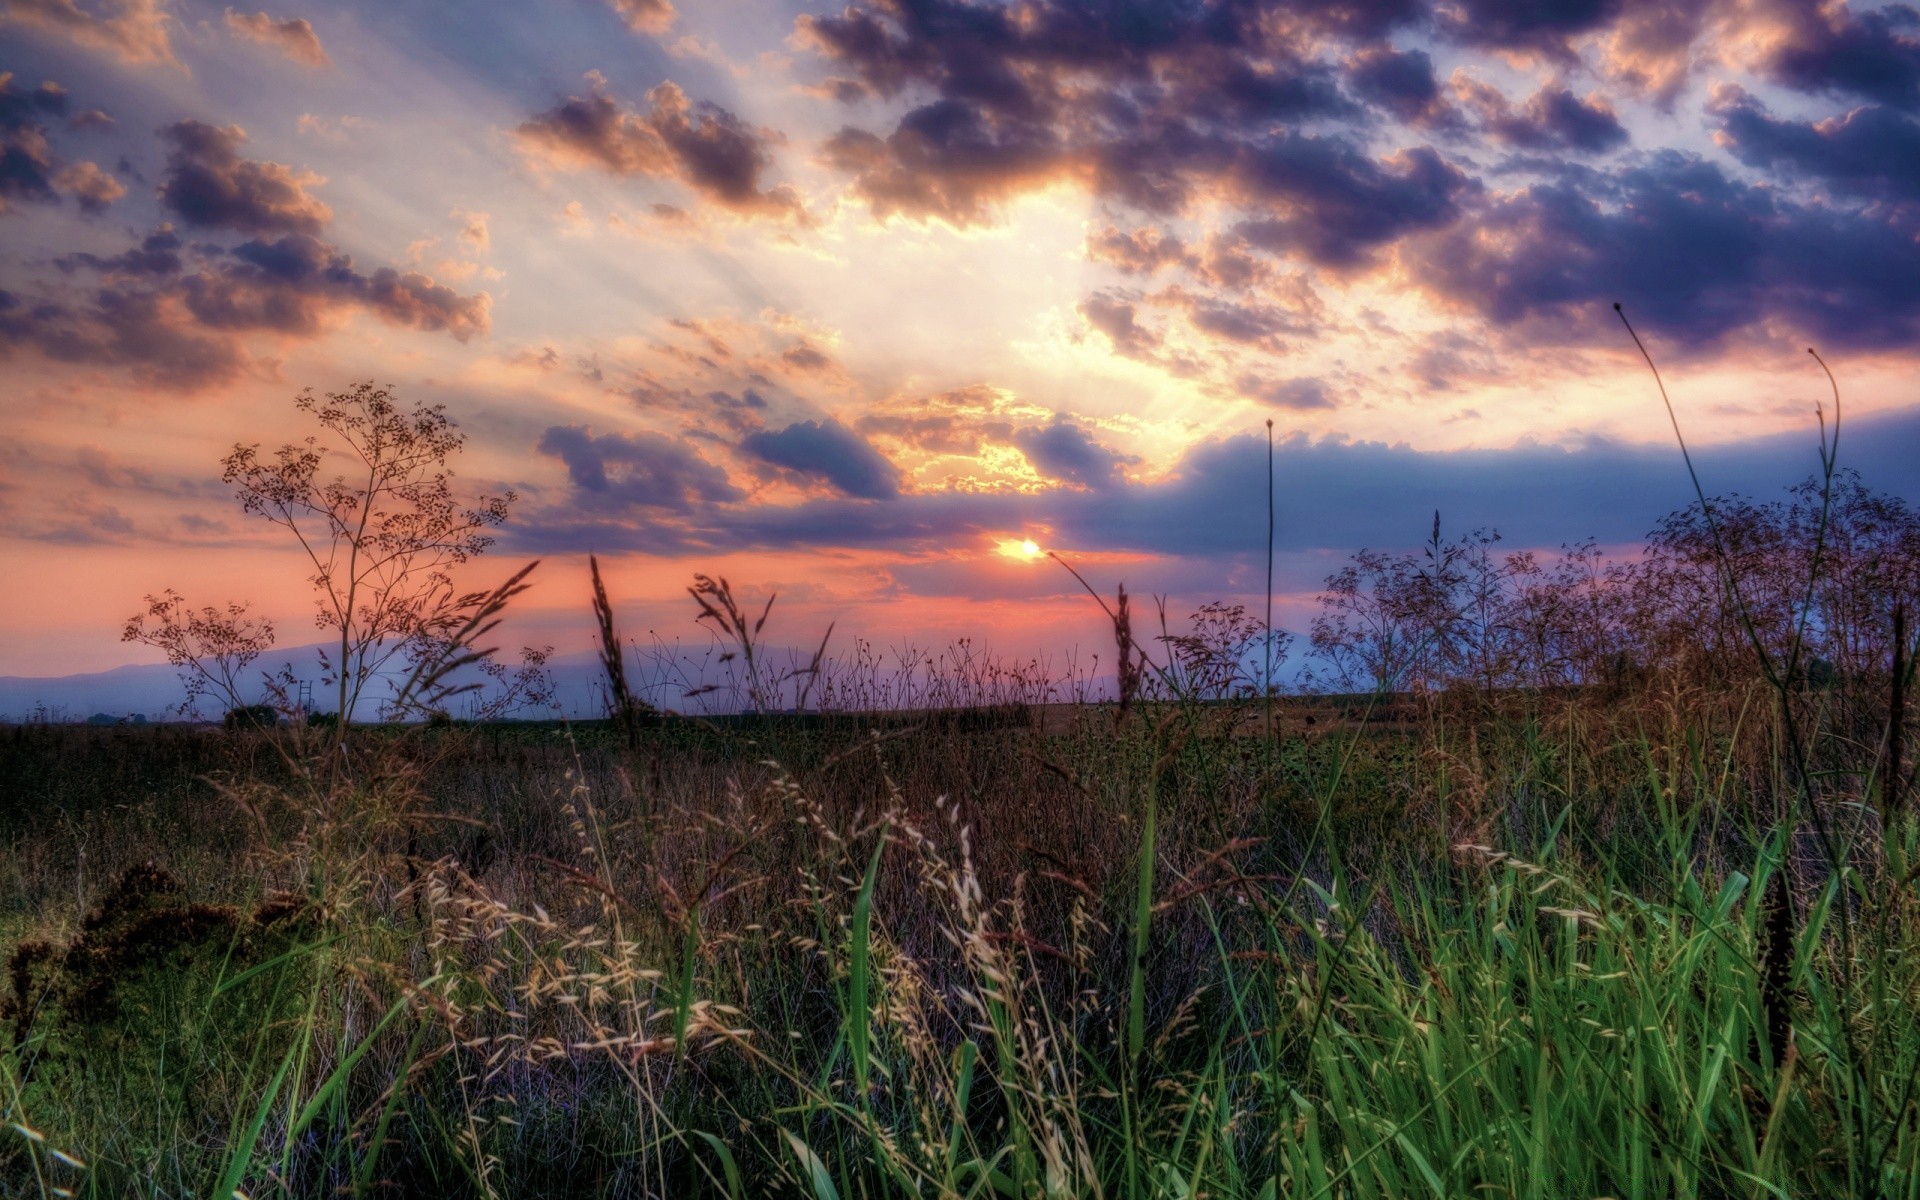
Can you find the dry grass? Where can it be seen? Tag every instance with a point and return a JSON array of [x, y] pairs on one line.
[[1136, 957]]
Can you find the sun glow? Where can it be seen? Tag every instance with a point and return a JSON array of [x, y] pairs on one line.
[[1020, 550]]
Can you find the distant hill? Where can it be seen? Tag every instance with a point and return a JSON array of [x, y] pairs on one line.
[[153, 691]]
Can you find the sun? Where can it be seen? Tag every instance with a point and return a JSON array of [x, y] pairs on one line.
[[1021, 550]]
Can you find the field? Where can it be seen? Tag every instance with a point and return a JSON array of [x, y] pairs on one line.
[[1532, 943]]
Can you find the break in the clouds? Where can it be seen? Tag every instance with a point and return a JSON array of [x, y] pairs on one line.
[[893, 282]]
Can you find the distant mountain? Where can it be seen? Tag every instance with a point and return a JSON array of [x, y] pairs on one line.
[[660, 675]]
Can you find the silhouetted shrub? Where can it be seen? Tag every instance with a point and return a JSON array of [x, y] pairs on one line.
[[253, 716]]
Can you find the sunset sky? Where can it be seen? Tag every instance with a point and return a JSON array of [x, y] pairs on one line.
[[850, 302]]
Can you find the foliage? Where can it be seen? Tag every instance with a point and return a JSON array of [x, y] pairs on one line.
[[1535, 968], [374, 510], [1223, 654], [212, 647], [765, 683], [1456, 613]]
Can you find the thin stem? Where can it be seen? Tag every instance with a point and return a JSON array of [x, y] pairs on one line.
[[1269, 638]]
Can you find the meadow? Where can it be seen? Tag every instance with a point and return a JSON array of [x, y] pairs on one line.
[[1525, 942]]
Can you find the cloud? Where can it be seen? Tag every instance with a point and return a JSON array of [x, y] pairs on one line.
[[93, 188], [145, 330], [616, 472], [293, 36], [1525, 24], [699, 144], [1249, 322], [1335, 205], [1874, 55], [27, 161], [1401, 82], [1147, 106], [805, 356], [135, 32], [1062, 450], [1142, 251], [475, 232], [328, 129], [186, 330], [1222, 261], [157, 254], [1553, 118], [294, 284], [1694, 254], [831, 452], [957, 422], [30, 169], [645, 16], [1115, 314], [210, 186], [946, 160], [1302, 394], [1872, 152]]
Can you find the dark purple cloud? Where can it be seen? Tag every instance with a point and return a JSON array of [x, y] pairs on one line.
[[949, 159], [1871, 152], [157, 254], [1337, 205], [1553, 118], [1150, 104], [1694, 253], [186, 329], [1249, 322], [831, 452], [620, 472], [1249, 115], [1873, 54], [1401, 83], [122, 327], [1544, 25], [27, 160], [1062, 450], [210, 186], [293, 284], [701, 144]]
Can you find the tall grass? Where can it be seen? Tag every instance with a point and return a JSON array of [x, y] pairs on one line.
[[973, 963]]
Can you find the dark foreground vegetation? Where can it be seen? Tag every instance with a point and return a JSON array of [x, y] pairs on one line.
[[1534, 944]]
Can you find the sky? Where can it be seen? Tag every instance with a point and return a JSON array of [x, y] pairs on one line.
[[851, 303]]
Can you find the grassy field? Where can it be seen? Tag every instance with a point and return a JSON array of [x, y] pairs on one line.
[[1544, 944]]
